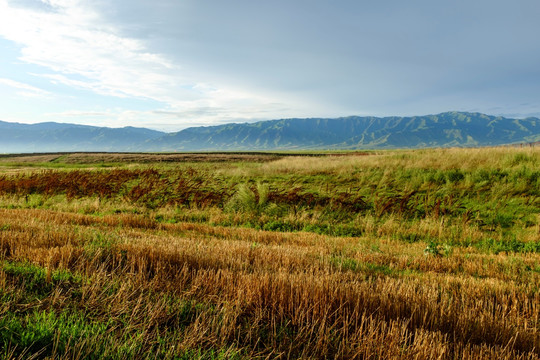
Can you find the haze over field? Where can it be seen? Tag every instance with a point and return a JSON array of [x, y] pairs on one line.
[[169, 65]]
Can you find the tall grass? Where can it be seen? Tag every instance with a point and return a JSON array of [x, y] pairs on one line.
[[367, 257]]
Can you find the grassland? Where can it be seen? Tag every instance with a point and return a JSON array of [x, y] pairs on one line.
[[425, 254]]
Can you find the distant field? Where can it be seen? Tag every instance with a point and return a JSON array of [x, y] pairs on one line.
[[424, 254], [97, 157], [100, 158]]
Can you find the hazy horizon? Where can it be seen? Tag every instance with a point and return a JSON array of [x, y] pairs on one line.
[[252, 121]]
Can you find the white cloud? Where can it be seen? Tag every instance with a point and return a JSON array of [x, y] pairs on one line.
[[26, 90], [161, 119], [73, 41], [83, 52], [79, 113]]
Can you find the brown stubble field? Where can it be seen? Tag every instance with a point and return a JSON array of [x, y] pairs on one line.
[[425, 254]]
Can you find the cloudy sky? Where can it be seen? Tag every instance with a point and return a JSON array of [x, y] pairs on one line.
[[170, 64]]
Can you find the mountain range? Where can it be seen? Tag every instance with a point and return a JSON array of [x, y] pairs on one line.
[[354, 132]]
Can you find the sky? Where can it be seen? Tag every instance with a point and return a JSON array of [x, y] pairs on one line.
[[172, 64]]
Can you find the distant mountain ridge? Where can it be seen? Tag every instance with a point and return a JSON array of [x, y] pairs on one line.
[[53, 137], [354, 132]]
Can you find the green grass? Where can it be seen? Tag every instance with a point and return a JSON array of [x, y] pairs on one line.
[[37, 281], [494, 200], [125, 262]]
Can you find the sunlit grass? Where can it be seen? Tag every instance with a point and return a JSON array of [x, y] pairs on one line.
[[428, 254]]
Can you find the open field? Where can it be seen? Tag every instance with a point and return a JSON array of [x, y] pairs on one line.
[[425, 254]]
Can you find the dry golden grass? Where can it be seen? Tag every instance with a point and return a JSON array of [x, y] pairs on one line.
[[444, 159], [34, 158], [103, 277], [281, 295]]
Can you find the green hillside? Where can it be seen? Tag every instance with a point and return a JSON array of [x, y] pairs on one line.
[[354, 132]]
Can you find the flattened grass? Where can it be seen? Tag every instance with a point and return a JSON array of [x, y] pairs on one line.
[[397, 255]]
